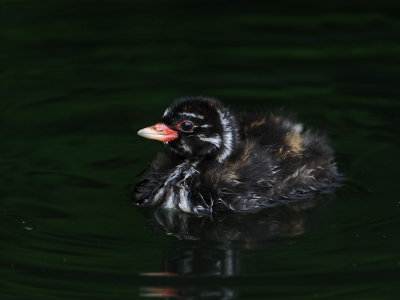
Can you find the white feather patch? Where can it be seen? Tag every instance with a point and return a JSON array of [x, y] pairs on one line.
[[215, 140], [186, 147], [192, 115], [169, 203], [184, 203], [227, 136], [167, 111], [298, 128]]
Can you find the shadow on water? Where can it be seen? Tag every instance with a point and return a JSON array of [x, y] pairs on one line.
[[209, 248]]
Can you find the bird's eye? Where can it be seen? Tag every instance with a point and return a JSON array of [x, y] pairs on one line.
[[186, 126]]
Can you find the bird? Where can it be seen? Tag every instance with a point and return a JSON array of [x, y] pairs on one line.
[[218, 161]]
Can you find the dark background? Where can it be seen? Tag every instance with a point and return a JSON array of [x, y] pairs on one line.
[[79, 78]]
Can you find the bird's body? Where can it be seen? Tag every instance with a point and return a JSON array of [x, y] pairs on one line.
[[216, 161]]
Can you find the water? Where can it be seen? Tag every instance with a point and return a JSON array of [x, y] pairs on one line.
[[78, 78]]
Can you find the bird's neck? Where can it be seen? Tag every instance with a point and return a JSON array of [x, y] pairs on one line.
[[230, 134]]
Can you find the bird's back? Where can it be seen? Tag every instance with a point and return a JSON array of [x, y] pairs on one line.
[[276, 161]]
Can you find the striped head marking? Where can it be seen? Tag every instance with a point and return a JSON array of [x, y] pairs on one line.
[[205, 128]]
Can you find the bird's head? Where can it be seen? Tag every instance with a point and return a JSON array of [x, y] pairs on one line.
[[196, 127]]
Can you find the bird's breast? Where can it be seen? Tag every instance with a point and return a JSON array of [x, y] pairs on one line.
[[175, 192]]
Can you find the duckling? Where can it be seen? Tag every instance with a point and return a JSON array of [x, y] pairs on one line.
[[218, 161]]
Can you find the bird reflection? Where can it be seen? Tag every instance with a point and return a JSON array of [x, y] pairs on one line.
[[208, 248]]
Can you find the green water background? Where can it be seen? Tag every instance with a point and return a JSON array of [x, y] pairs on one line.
[[78, 78]]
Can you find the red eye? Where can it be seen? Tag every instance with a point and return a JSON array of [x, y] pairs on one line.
[[186, 126]]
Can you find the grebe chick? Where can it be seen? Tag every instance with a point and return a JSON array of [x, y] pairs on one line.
[[218, 161]]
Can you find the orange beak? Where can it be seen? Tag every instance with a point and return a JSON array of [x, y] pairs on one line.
[[158, 132]]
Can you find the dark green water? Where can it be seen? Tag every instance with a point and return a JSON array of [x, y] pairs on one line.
[[78, 78]]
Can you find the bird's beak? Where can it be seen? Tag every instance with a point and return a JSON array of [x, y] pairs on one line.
[[159, 132]]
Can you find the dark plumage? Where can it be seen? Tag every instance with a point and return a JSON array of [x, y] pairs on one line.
[[218, 161]]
